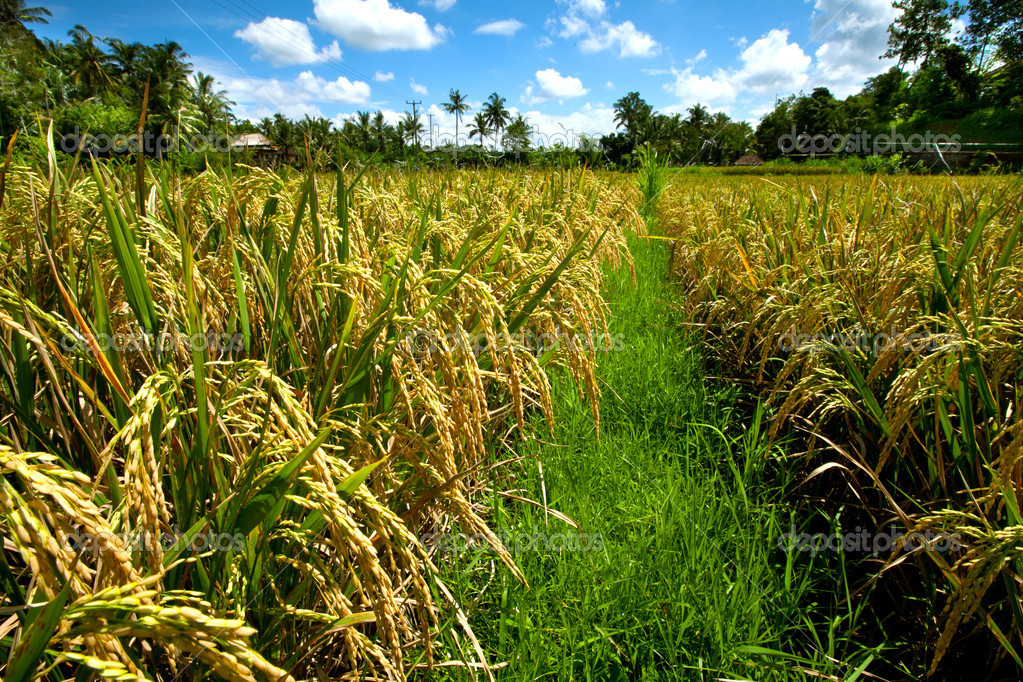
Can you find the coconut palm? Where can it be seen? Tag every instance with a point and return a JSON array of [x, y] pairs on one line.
[[126, 57], [14, 15], [280, 130], [457, 106], [211, 104], [480, 127], [413, 128], [90, 64], [699, 117], [165, 67], [363, 121], [379, 129], [317, 133], [632, 113], [497, 115]]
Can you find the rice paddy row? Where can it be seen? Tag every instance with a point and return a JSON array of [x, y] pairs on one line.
[[881, 318], [174, 505]]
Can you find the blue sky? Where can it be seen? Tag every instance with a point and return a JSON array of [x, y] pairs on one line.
[[562, 63]]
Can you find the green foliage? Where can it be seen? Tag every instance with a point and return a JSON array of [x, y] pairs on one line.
[[96, 117], [687, 581]]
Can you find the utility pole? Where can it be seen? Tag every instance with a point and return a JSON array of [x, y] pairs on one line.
[[431, 130], [415, 129]]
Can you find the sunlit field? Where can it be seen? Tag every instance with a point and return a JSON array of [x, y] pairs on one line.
[[235, 403], [507, 423], [880, 318]]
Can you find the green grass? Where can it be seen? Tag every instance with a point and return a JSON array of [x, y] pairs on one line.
[[690, 578]]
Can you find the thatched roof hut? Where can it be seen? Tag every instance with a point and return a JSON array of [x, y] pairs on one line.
[[750, 160]]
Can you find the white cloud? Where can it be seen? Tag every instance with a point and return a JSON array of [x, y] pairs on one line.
[[712, 91], [285, 42], [417, 88], [773, 64], [544, 42], [573, 25], [295, 98], [439, 5], [381, 77], [631, 41], [584, 19], [769, 65], [374, 25], [552, 85], [505, 27], [591, 8], [609, 85], [654, 72], [853, 34]]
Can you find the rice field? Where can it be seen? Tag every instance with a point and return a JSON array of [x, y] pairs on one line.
[[882, 320], [234, 403], [238, 406]]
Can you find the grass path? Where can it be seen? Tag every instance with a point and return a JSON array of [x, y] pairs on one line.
[[684, 576]]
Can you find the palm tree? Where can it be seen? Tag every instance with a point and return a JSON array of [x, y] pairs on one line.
[[280, 130], [480, 127], [212, 104], [379, 129], [13, 13], [456, 105], [89, 62], [497, 115], [317, 133], [699, 117], [633, 114], [363, 122], [413, 128], [165, 68], [126, 56]]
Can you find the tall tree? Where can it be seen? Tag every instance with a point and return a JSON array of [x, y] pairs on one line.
[[14, 15], [363, 123], [166, 69], [497, 115], [480, 127], [632, 113], [212, 104], [921, 28], [379, 129], [457, 106], [90, 64], [994, 27], [126, 57], [815, 115], [516, 135], [413, 127]]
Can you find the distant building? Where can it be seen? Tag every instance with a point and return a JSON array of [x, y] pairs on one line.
[[749, 160], [253, 142], [263, 151]]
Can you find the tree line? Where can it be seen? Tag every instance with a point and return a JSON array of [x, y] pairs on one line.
[[971, 81]]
